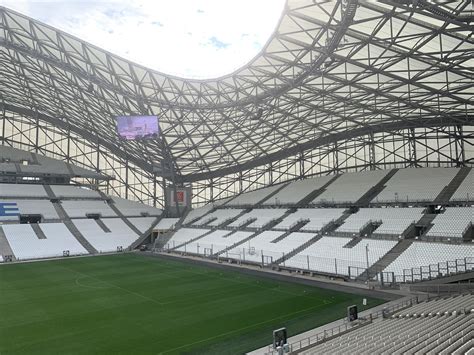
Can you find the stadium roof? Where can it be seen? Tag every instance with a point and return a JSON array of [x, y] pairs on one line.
[[331, 71]]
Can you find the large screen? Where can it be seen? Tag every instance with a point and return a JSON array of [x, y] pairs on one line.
[[137, 127]]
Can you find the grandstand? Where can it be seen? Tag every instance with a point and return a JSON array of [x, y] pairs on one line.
[[439, 326], [57, 220], [341, 155]]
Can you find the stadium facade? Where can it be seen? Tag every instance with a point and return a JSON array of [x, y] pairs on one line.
[[340, 86]]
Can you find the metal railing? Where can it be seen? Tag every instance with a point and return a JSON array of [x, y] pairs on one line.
[[429, 272], [346, 326], [326, 266]]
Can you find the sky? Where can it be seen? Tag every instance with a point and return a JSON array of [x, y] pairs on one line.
[[187, 38]]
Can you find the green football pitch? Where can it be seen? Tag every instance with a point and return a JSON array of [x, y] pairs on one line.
[[132, 304]]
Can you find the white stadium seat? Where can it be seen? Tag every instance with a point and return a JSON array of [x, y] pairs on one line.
[[215, 242], [135, 209], [167, 223], [142, 223], [61, 191], [453, 223], [77, 209], [415, 185], [22, 190], [252, 197], [329, 255], [120, 234], [350, 187], [394, 220], [183, 235], [465, 191], [26, 244], [297, 190], [220, 216], [261, 217], [427, 253], [318, 218]]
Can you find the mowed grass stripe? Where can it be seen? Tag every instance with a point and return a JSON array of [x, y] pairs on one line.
[[135, 305]]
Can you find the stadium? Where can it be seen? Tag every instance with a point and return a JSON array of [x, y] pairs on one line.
[[317, 200]]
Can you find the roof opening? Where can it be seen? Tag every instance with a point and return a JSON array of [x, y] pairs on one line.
[[187, 38]]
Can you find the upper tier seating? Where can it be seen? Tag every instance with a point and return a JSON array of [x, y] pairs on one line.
[[142, 223], [9, 154], [425, 253], [394, 220], [318, 218], [198, 213], [58, 168], [201, 211], [221, 215], [120, 234], [167, 223], [465, 191], [8, 167], [48, 165], [22, 190], [184, 235], [262, 217], [61, 191], [350, 187], [252, 197], [135, 209], [297, 190], [215, 242], [329, 255], [416, 185], [77, 209], [26, 245], [262, 245], [452, 223], [39, 164]]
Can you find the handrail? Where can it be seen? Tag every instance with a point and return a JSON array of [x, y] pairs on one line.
[[329, 333]]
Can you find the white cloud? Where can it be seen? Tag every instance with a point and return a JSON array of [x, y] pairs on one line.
[[192, 38]]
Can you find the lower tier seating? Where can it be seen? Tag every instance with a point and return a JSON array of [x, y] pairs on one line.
[[447, 331], [120, 234], [328, 255], [215, 242], [438, 306], [184, 235], [25, 244], [262, 249]]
